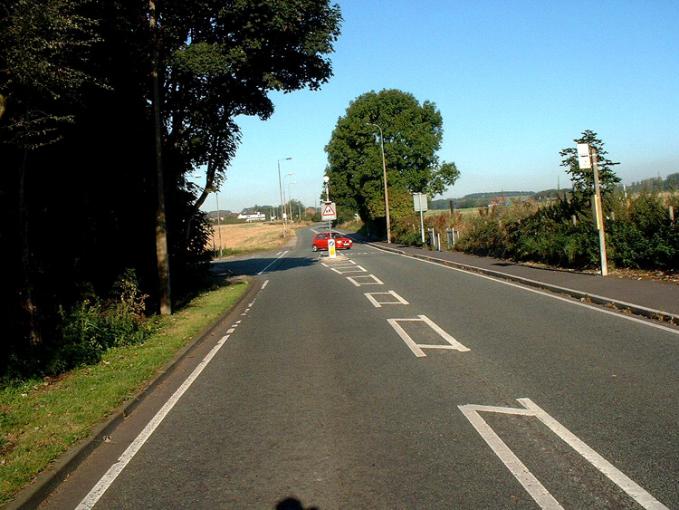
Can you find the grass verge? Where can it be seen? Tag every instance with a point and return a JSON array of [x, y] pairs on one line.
[[41, 419]]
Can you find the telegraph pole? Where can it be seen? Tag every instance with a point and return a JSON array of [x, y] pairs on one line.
[[588, 158]]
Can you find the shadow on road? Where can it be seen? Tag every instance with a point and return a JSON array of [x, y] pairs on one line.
[[250, 267], [293, 504]]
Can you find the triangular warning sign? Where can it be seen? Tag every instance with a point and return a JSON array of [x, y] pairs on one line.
[[328, 210]]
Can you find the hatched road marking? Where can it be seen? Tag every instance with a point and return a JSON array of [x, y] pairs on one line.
[[532, 485], [417, 348], [374, 280], [378, 304]]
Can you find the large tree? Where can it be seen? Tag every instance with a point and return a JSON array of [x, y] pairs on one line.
[[412, 136], [80, 73], [583, 180]]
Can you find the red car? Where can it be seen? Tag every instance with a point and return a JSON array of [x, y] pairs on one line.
[[320, 241]]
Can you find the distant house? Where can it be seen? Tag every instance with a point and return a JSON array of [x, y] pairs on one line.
[[256, 216]]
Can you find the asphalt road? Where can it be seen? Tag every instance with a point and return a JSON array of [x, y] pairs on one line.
[[407, 397]]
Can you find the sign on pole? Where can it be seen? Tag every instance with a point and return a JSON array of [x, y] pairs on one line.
[[332, 253], [584, 161], [329, 212], [420, 204]]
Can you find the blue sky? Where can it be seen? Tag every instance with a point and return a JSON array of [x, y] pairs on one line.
[[515, 81]]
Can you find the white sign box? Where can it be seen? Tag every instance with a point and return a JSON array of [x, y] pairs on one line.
[[584, 161], [420, 202]]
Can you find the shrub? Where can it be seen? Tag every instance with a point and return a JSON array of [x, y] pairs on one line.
[[92, 326]]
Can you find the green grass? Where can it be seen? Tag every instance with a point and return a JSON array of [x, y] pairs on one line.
[[41, 419]]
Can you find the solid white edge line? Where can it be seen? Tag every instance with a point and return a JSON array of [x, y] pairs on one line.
[[109, 477], [272, 263], [571, 301]]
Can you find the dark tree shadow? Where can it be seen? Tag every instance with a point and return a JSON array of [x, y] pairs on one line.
[[293, 504]]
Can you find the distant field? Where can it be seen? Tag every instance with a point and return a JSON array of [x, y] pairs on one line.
[[464, 211], [245, 237]]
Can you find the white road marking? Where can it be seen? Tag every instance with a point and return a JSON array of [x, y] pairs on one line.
[[230, 330], [417, 348], [532, 485], [349, 269], [378, 304], [237, 322], [572, 301], [109, 477], [265, 284], [375, 280], [272, 263]]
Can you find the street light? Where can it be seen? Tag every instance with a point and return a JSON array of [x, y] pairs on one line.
[[386, 192], [280, 190]]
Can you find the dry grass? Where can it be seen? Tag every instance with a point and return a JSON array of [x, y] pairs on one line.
[[245, 237]]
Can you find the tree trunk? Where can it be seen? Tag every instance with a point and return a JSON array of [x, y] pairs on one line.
[[162, 254], [26, 293]]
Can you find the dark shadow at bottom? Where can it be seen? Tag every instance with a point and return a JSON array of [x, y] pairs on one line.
[[293, 504]]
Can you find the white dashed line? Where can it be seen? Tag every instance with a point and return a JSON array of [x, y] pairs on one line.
[[272, 263], [265, 284]]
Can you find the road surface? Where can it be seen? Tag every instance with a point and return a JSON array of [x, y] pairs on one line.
[[381, 381]]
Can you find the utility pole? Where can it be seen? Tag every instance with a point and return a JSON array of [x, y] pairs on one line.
[[386, 191], [588, 158]]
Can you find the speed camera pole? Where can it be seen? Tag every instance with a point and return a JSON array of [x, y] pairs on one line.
[[588, 158]]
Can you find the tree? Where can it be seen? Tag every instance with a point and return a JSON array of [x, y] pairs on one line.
[[412, 135], [45, 48], [583, 180]]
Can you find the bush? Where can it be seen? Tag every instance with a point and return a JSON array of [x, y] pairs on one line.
[[93, 326]]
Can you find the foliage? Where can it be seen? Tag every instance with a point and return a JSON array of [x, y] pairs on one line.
[[41, 418], [412, 136], [639, 234], [583, 180], [93, 326], [77, 198]]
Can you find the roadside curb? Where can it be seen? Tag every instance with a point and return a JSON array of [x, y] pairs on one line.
[[45, 482], [622, 306]]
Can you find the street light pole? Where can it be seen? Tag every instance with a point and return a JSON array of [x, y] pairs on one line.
[[386, 191], [280, 190]]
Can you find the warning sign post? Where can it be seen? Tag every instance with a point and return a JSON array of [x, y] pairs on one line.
[[329, 212]]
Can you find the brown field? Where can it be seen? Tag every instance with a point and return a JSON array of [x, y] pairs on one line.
[[249, 236]]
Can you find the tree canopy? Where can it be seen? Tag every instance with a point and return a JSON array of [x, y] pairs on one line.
[[412, 136], [583, 180], [77, 152]]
